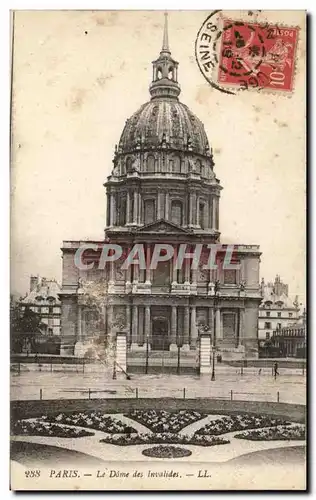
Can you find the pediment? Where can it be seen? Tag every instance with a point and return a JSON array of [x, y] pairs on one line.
[[162, 226]]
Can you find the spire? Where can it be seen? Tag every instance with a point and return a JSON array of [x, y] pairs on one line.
[[165, 71], [165, 42]]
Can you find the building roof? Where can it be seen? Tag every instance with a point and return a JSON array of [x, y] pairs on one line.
[[44, 292], [164, 121]]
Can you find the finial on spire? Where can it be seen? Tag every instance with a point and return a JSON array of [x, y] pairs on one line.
[[165, 42]]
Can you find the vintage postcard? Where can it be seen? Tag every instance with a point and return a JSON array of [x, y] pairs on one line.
[[158, 321]]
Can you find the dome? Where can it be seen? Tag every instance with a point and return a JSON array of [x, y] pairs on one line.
[[164, 121]]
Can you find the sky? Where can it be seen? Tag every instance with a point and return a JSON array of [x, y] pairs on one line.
[[77, 77]]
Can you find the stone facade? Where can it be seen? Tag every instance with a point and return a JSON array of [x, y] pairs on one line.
[[277, 310], [43, 299], [163, 190]]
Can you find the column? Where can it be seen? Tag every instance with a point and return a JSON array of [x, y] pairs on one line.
[[128, 324], [197, 211], [147, 331], [214, 213], [186, 272], [173, 327], [186, 327], [174, 268], [241, 326], [194, 332], [128, 207], [166, 205], [148, 270], [190, 222], [129, 269], [79, 330], [135, 207], [210, 213], [211, 322], [158, 205], [140, 327], [217, 213], [108, 209], [134, 325], [219, 332], [112, 209], [194, 279], [139, 208], [135, 273], [194, 211]]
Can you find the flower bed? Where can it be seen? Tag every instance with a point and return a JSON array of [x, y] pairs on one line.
[[91, 420], [39, 428], [280, 433], [166, 452], [165, 421], [163, 438], [239, 423]]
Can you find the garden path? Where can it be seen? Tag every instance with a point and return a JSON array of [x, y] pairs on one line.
[[195, 426]]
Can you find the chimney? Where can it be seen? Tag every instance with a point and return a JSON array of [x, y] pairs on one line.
[[33, 283]]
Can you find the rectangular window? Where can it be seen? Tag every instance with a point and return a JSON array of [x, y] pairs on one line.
[[267, 335], [279, 315], [229, 325], [149, 211], [267, 325], [268, 314], [230, 277], [290, 315]]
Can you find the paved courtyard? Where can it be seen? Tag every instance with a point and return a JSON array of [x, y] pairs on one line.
[[288, 387]]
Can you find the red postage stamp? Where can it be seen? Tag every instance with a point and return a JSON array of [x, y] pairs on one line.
[[254, 55]]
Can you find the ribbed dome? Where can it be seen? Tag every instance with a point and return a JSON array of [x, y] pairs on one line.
[[167, 122]]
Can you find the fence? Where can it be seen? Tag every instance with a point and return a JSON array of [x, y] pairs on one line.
[[139, 393], [88, 367]]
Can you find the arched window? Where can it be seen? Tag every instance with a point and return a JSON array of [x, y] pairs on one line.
[[123, 169], [176, 212], [176, 165], [202, 215], [149, 211], [159, 74], [171, 73], [150, 163], [198, 166], [129, 164]]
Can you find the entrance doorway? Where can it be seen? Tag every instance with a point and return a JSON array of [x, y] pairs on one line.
[[160, 339]]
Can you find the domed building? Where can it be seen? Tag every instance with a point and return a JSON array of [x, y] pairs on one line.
[[163, 191]]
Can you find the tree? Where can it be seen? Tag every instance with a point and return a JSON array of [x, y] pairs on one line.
[[24, 326]]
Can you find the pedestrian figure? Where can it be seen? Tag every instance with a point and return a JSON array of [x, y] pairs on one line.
[[275, 369], [259, 373]]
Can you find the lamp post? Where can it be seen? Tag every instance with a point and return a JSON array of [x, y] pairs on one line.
[[214, 329], [147, 352], [178, 364]]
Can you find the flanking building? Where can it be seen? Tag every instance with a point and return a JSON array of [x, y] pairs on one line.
[[43, 299], [277, 310], [162, 189]]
